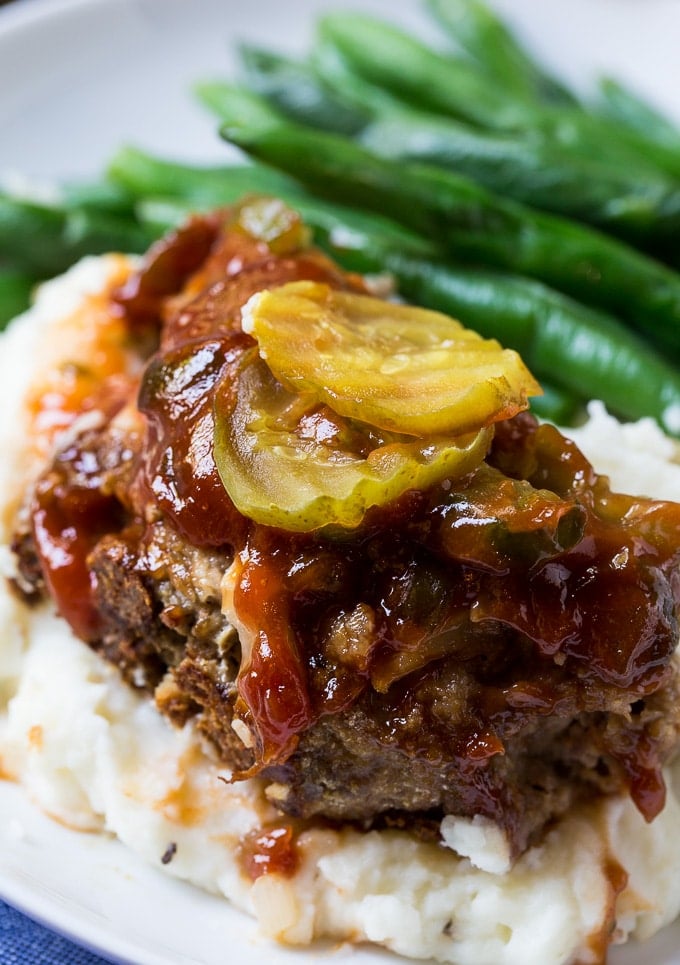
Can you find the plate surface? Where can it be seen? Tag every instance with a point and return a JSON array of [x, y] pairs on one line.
[[78, 78]]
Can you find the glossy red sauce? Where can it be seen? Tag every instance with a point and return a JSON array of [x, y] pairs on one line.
[[270, 851], [280, 693], [178, 468], [199, 342], [70, 514], [570, 590], [600, 941], [168, 265]]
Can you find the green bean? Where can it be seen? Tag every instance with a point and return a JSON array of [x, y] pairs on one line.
[[327, 64], [393, 59], [97, 196], [621, 104], [473, 224], [639, 207], [597, 136], [577, 348], [557, 405], [27, 235], [483, 34], [643, 209], [16, 288], [583, 352], [228, 100], [165, 191], [296, 90], [87, 232], [163, 214], [45, 239], [147, 177]]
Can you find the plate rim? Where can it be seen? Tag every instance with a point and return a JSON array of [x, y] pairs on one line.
[[16, 18]]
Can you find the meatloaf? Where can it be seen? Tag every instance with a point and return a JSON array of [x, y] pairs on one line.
[[499, 644]]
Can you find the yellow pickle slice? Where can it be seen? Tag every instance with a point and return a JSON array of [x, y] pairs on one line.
[[288, 462], [399, 368]]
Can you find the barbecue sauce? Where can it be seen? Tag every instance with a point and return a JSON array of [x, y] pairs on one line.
[[552, 592], [71, 512], [268, 851]]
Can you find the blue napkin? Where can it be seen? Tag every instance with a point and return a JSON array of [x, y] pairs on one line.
[[23, 942]]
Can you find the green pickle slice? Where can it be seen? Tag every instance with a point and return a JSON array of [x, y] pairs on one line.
[[297, 466], [404, 369], [348, 401]]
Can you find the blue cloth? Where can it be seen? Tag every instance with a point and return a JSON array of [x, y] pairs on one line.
[[23, 942]]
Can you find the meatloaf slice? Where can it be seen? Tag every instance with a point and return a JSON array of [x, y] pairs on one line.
[[499, 645]]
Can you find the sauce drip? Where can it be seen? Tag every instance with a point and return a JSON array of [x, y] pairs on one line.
[[178, 468], [168, 265], [71, 512], [269, 851]]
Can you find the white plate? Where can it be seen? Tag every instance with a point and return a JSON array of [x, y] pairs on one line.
[[78, 78]]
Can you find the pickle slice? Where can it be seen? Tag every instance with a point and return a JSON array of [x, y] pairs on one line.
[[272, 221], [400, 368], [288, 463]]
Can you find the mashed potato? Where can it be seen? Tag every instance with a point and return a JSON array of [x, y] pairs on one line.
[[96, 756]]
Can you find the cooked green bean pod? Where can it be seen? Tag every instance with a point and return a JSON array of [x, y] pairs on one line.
[[331, 69], [583, 352], [471, 223], [147, 177], [391, 58], [476, 28], [621, 104], [16, 288], [97, 196], [45, 239], [557, 405], [643, 208], [640, 207], [296, 90], [575, 347]]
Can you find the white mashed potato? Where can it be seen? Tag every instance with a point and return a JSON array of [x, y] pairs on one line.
[[97, 757]]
